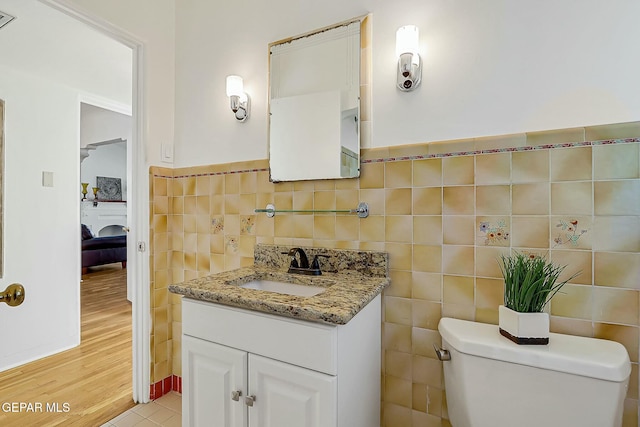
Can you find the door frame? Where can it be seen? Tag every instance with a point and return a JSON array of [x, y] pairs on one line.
[[138, 211]]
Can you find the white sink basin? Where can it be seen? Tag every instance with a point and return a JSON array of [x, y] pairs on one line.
[[284, 288]]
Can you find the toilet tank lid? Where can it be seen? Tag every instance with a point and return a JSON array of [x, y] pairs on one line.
[[589, 357]]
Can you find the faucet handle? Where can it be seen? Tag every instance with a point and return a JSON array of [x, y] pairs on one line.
[[315, 264]]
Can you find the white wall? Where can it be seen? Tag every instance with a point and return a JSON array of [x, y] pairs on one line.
[[99, 125], [106, 160], [41, 224], [490, 68], [153, 23]]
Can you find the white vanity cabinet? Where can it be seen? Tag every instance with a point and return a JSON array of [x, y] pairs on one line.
[[244, 368]]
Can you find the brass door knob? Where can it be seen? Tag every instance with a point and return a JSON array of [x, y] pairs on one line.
[[13, 295]]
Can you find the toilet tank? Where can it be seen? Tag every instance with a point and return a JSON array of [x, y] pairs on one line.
[[492, 382]]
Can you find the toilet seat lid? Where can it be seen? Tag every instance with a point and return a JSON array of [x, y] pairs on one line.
[[588, 357]]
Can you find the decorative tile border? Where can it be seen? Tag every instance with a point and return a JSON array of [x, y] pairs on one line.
[[502, 150], [424, 156]]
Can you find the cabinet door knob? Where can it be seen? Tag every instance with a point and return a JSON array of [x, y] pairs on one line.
[[235, 395], [249, 400]]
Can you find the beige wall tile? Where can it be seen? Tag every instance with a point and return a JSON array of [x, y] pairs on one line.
[[458, 200], [427, 258], [427, 201], [427, 229], [427, 286], [427, 172], [408, 150], [494, 168], [576, 262], [613, 131], [557, 136], [617, 197], [493, 200], [501, 141], [399, 228], [617, 269], [401, 283], [487, 261], [530, 199], [426, 314], [489, 293], [348, 227], [570, 164], [372, 175], [575, 301], [397, 337], [346, 199], [613, 305], [372, 229], [398, 310], [571, 198], [458, 290], [398, 364], [454, 146], [423, 340], [400, 255], [493, 231], [616, 161], [530, 166], [398, 174], [458, 170], [324, 200], [427, 370], [458, 259], [616, 233], [458, 229], [530, 231], [398, 201]]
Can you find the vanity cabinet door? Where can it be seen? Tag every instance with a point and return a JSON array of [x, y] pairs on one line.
[[212, 375], [287, 395]]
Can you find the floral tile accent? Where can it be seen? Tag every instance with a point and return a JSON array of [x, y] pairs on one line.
[[231, 244], [569, 232], [217, 224], [494, 233], [247, 224]]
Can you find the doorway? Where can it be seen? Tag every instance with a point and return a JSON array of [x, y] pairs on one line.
[[137, 209]]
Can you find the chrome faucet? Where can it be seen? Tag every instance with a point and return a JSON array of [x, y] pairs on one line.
[[303, 267]]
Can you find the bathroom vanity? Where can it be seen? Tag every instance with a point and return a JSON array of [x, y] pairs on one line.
[[253, 357]]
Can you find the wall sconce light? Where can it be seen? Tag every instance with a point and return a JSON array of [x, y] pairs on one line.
[[409, 64], [238, 98]]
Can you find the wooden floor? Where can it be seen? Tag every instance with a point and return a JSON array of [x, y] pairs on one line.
[[87, 385]]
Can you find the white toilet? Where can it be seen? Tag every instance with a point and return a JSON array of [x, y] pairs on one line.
[[492, 382]]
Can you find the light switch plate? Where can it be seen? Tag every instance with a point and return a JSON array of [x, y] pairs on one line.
[[47, 179]]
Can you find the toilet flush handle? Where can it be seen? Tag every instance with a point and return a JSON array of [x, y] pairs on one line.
[[443, 355]]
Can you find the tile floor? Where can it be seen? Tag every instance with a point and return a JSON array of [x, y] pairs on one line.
[[164, 412]]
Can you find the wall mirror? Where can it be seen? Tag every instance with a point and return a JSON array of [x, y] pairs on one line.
[[314, 104]]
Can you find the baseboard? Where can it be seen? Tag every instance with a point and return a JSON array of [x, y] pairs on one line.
[[162, 387]]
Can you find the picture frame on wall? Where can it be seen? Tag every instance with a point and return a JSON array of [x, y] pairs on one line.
[[109, 189]]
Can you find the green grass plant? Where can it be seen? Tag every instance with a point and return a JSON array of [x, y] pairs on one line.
[[530, 281]]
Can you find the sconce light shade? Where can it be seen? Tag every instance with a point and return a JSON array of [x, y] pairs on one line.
[[235, 86], [238, 99], [409, 64]]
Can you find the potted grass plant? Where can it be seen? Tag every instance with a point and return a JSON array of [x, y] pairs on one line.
[[530, 281]]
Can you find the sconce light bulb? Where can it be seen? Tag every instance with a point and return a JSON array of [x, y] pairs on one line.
[[407, 40]]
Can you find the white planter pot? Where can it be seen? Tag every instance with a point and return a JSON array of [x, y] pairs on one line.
[[524, 328]]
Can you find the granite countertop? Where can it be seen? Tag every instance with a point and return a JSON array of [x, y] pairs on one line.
[[348, 291]]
